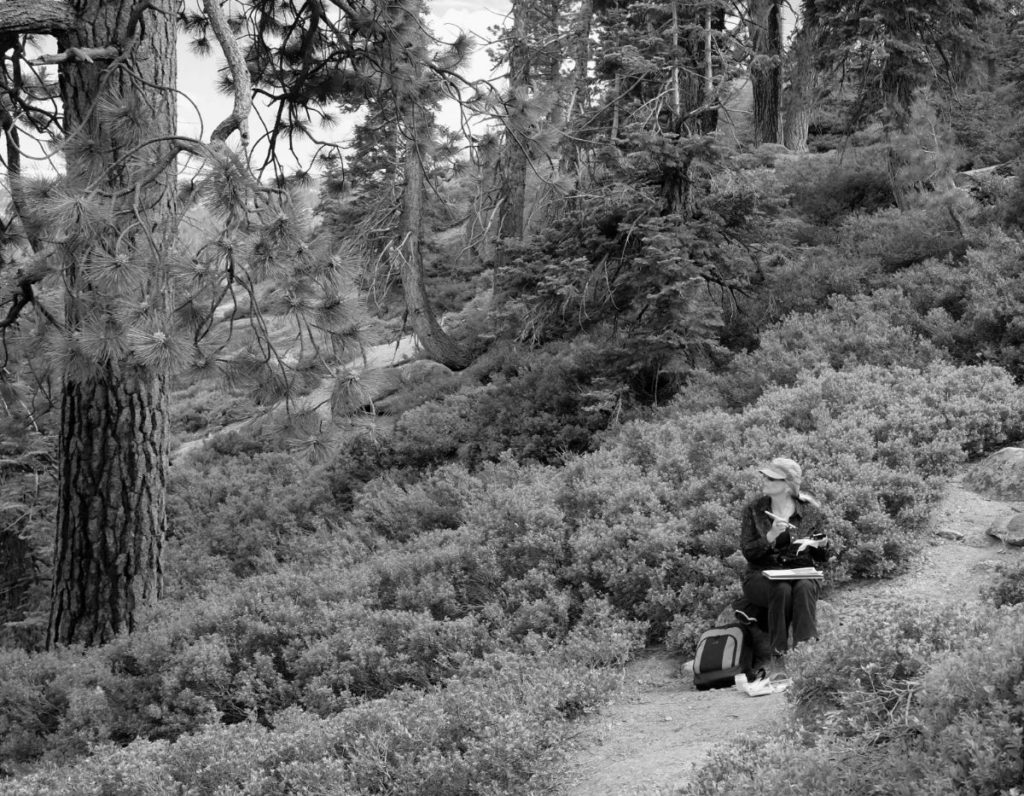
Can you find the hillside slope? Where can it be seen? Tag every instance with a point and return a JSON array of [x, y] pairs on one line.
[[658, 728]]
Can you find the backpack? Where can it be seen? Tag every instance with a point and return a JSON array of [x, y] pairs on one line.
[[722, 653]]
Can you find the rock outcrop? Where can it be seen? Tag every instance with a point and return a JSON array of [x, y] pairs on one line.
[[999, 476]]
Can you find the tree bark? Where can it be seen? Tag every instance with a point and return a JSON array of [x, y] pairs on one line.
[[113, 436], [766, 69], [514, 160], [435, 341], [677, 92], [713, 21], [113, 464], [799, 100], [579, 97], [36, 16]]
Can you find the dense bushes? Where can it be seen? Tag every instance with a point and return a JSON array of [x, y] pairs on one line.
[[488, 731], [881, 329], [1008, 588], [245, 514], [397, 622], [272, 644], [901, 699], [512, 555], [827, 187], [974, 312], [539, 408], [647, 522]]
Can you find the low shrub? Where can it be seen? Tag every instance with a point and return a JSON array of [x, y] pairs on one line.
[[52, 704], [827, 187], [250, 512], [890, 701], [973, 310], [398, 511], [872, 441], [867, 667], [540, 409], [1008, 587], [274, 642], [882, 329], [205, 408], [490, 730]]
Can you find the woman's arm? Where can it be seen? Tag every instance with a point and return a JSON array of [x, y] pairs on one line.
[[811, 524], [755, 548]]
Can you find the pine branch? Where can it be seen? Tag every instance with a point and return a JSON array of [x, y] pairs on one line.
[[25, 296], [86, 55]]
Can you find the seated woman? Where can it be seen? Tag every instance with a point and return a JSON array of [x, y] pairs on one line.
[[783, 528]]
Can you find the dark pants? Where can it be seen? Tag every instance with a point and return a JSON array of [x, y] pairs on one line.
[[789, 603]]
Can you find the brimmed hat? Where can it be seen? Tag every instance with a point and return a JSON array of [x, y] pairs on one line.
[[784, 470]]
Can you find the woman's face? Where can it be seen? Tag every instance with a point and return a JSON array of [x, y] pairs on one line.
[[774, 487]]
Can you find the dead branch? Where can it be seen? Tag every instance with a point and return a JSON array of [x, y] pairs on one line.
[[86, 55], [239, 118]]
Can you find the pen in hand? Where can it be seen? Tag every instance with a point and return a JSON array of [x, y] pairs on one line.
[[777, 518]]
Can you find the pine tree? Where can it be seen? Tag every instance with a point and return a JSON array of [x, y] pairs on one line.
[[142, 283], [109, 224]]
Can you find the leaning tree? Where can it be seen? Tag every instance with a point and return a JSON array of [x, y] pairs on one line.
[[107, 230]]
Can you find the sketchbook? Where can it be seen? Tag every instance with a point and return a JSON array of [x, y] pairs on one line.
[[800, 573]]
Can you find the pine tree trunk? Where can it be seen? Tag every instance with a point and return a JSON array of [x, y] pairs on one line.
[[713, 20], [435, 341], [113, 465], [113, 436], [514, 161], [579, 98], [799, 100], [766, 69]]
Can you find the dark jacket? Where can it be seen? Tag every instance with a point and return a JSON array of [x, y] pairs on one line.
[[760, 554]]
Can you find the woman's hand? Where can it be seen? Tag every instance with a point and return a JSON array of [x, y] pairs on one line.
[[778, 528], [813, 541]]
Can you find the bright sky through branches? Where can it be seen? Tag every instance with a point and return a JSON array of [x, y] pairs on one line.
[[198, 76]]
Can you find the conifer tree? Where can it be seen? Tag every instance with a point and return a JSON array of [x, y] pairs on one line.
[[895, 51], [142, 285], [106, 231]]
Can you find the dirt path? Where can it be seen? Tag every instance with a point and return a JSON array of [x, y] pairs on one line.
[[648, 740]]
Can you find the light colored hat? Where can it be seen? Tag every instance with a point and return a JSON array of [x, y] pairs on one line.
[[785, 470]]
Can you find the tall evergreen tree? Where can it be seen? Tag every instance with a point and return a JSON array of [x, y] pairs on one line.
[[111, 223], [139, 293], [895, 51]]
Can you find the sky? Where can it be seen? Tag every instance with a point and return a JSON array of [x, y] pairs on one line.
[[197, 76]]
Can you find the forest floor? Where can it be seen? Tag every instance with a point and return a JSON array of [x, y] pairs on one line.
[[658, 728]]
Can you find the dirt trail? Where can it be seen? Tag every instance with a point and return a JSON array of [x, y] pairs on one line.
[[657, 728]]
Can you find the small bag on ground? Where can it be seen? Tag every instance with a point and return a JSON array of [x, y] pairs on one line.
[[722, 653]]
